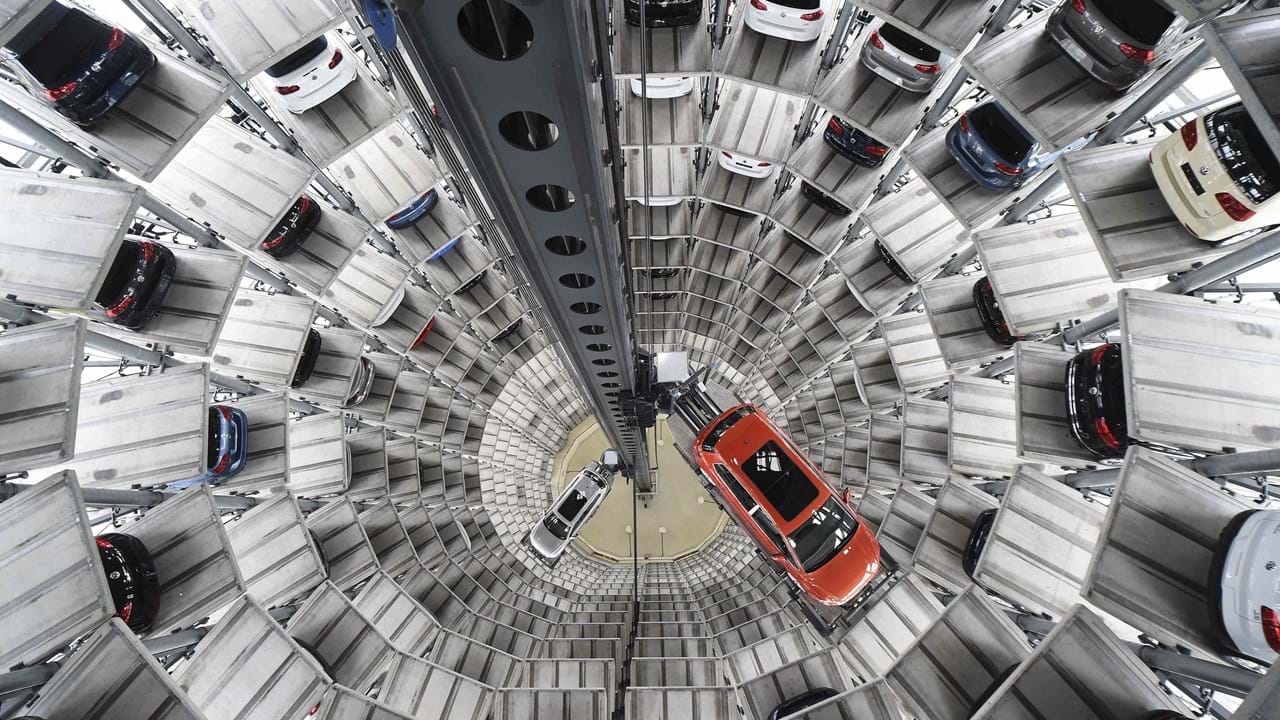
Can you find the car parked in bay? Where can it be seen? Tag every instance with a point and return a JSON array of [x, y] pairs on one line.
[[293, 229], [1219, 175], [137, 282], [854, 144], [663, 13], [791, 20], [575, 505], [745, 166], [77, 64], [662, 87], [1244, 586], [311, 74], [823, 200], [786, 505], [307, 358], [228, 447], [1117, 42], [803, 701], [1096, 400], [989, 312], [902, 58], [131, 578]]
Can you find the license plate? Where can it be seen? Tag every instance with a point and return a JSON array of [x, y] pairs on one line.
[[1192, 179]]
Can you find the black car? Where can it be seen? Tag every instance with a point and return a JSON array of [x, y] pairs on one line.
[[294, 229], [664, 13], [131, 576], [988, 306], [854, 144], [510, 329], [977, 540], [823, 200], [894, 267], [791, 706], [77, 64], [472, 282], [1095, 400], [137, 282], [307, 362]]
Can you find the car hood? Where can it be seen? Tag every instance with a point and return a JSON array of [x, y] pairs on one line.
[[846, 574]]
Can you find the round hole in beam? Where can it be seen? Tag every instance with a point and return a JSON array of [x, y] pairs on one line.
[[550, 198], [577, 281], [599, 347], [496, 29], [566, 245], [528, 130], [586, 308], [607, 374], [592, 330], [604, 362]]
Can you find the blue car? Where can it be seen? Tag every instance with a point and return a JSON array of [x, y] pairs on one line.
[[414, 211], [228, 446], [993, 149], [854, 144]]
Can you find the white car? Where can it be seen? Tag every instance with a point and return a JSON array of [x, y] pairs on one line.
[[1218, 175], [662, 87], [794, 20], [312, 74], [361, 383], [572, 509], [1248, 560], [743, 165], [660, 200]]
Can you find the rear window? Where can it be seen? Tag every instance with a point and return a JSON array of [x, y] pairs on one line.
[[1003, 135], [299, 57], [799, 4], [908, 43], [68, 49], [1145, 20], [780, 480], [1244, 153]]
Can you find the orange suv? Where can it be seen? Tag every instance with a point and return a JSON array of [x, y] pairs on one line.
[[787, 505]]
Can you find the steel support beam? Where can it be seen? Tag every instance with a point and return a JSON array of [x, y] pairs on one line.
[[558, 199], [1212, 675], [844, 19], [1258, 462], [100, 497]]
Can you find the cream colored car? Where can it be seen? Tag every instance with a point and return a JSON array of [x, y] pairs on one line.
[[1219, 176]]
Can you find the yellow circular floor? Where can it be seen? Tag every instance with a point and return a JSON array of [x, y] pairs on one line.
[[676, 520]]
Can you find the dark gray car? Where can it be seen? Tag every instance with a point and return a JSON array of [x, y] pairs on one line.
[[1116, 41]]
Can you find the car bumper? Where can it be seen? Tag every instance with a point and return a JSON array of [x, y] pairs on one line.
[[140, 317], [751, 172], [1117, 77], [765, 25], [1080, 414], [89, 112], [993, 327], [904, 77], [1183, 201], [661, 91], [1238, 588]]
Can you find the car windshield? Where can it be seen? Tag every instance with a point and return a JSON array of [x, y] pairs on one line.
[[799, 4], [783, 483], [908, 43], [1244, 153], [827, 531], [298, 58], [1002, 134], [67, 49], [1144, 20], [572, 505], [556, 526]]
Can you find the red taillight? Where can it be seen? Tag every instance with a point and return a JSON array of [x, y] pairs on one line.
[[225, 412], [273, 242], [933, 69], [875, 40], [314, 710], [810, 17], [1190, 135], [1271, 627], [126, 611], [422, 336], [765, 164], [117, 39], [727, 154], [116, 310], [877, 150], [1008, 169], [1233, 207], [835, 126], [222, 465], [1099, 353], [102, 543], [1145, 55], [337, 58], [759, 5], [1105, 434], [1078, 6], [304, 204], [148, 251], [61, 91], [287, 89], [964, 124]]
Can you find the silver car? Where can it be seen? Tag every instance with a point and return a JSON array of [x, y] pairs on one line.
[[572, 509], [1116, 42], [903, 59]]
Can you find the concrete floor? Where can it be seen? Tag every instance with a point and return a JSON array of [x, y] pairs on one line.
[[678, 519]]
